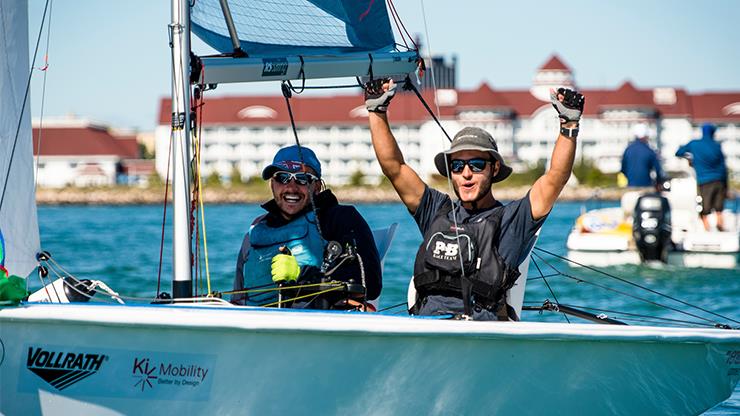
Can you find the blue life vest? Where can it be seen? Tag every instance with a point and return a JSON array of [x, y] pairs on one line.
[[301, 236]]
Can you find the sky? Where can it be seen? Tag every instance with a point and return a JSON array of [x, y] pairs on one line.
[[109, 60]]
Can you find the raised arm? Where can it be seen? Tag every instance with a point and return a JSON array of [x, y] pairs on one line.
[[406, 181], [545, 191]]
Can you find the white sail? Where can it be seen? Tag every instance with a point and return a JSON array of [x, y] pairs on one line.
[[18, 221]]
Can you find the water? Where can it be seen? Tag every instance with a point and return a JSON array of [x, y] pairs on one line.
[[121, 245]]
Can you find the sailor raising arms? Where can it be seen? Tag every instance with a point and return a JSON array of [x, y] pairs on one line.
[[288, 243], [472, 247]]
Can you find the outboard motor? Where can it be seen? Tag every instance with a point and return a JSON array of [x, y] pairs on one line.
[[651, 227]]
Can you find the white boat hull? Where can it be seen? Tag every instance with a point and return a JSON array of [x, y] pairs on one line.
[[217, 360]]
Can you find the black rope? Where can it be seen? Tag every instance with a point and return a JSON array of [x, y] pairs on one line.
[[543, 276], [302, 76], [393, 307], [327, 87], [638, 286], [287, 94], [549, 287], [23, 107], [580, 280], [409, 85], [660, 318]]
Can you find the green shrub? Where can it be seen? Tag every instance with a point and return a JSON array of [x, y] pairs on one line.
[[357, 178]]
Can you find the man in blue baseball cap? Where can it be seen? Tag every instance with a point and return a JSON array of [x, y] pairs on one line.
[[288, 244]]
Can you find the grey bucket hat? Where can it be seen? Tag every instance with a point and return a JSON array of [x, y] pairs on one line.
[[473, 138]]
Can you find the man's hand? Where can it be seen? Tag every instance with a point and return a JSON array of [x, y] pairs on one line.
[[568, 104], [285, 268], [378, 94]]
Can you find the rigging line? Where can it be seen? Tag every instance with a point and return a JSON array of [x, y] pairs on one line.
[[164, 212], [455, 207], [429, 53], [580, 280], [534, 261], [638, 315], [399, 25], [286, 93], [202, 208], [43, 95], [326, 87], [60, 277], [653, 321], [392, 307], [23, 106], [332, 283], [316, 294], [410, 85], [396, 19], [543, 276], [640, 286]]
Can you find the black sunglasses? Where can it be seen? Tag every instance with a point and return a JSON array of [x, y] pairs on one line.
[[301, 178], [476, 165]]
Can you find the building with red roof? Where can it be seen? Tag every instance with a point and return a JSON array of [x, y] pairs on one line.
[[244, 132], [75, 152]]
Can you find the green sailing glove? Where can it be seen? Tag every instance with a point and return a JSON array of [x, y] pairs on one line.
[[285, 268], [12, 289]]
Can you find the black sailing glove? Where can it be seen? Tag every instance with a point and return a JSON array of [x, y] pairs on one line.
[[570, 107], [377, 100]]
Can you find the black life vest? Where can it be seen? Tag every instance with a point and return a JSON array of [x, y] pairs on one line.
[[445, 253]]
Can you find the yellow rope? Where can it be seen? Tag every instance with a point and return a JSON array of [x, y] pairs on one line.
[[270, 289], [302, 297]]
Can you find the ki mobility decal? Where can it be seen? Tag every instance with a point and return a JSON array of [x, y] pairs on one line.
[[147, 373]]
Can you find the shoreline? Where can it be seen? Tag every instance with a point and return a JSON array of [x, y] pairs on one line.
[[123, 195]]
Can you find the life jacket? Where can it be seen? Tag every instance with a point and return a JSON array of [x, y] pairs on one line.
[[300, 236], [446, 253]]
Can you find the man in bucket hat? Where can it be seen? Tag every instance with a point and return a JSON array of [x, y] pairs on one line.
[[472, 247], [288, 243]]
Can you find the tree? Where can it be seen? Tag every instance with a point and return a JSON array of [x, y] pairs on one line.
[[588, 174], [214, 179], [144, 152], [154, 180], [357, 178], [236, 176]]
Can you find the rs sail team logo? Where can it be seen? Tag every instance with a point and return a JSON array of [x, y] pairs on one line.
[[62, 369]]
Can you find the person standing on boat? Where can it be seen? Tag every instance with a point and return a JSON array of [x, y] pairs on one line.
[[706, 157], [639, 160], [472, 247], [291, 222]]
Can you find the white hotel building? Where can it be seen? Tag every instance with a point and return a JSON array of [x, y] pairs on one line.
[[246, 131]]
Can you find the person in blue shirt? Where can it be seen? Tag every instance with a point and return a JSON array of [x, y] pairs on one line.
[[706, 156], [472, 247], [639, 161], [288, 243]]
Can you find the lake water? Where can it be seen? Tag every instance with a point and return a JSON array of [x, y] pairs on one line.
[[120, 245]]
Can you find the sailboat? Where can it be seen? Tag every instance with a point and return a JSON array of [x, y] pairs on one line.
[[209, 356]]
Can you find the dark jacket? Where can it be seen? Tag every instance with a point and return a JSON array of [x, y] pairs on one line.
[[706, 157], [340, 223], [637, 162]]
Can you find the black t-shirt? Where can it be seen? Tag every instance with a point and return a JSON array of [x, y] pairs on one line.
[[340, 223], [518, 228]]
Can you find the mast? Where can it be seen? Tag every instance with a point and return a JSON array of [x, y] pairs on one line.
[[181, 174]]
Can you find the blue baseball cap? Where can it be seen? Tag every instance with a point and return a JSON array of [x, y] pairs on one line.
[[288, 159]]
